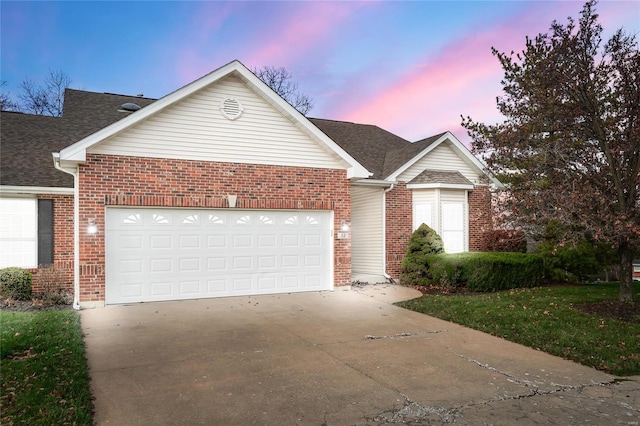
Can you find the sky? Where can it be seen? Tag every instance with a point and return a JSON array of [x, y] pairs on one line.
[[410, 67]]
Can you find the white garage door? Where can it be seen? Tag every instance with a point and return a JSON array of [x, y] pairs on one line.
[[170, 254]]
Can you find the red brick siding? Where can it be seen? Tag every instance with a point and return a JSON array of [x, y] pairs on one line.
[[480, 217], [137, 181], [398, 223], [62, 240]]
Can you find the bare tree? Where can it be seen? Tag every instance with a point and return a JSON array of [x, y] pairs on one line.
[[569, 149], [6, 102], [46, 99], [280, 81]]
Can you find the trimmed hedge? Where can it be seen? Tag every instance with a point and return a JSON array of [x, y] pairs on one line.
[[486, 271], [15, 283]]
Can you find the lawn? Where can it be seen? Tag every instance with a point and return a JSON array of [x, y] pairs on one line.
[[545, 318], [45, 378]]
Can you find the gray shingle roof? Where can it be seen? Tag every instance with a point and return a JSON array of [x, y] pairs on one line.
[[439, 176], [27, 141], [380, 151], [26, 144]]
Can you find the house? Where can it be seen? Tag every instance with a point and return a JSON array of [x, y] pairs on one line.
[[635, 274], [221, 188]]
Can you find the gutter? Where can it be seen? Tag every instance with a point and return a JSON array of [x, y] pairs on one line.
[[76, 228], [384, 234]]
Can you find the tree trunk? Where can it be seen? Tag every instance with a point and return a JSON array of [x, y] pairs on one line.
[[626, 273]]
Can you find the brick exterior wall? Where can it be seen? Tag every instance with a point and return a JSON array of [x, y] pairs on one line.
[[62, 241], [398, 222], [480, 216], [136, 181]]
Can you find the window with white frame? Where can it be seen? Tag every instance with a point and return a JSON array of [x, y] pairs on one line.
[[422, 213], [18, 232], [453, 227]]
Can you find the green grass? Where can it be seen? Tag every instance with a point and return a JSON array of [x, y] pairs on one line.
[[45, 378], [543, 318]]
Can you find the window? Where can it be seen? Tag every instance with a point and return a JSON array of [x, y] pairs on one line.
[[636, 268], [26, 232], [18, 232], [422, 213], [453, 227]]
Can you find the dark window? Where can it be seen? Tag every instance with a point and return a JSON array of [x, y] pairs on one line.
[[45, 232]]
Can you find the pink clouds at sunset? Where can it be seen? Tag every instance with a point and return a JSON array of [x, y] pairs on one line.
[[411, 67], [462, 78]]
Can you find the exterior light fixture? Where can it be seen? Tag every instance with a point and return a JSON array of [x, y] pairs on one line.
[[92, 228], [345, 226]]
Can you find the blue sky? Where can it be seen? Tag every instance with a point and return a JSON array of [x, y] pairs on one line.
[[410, 67]]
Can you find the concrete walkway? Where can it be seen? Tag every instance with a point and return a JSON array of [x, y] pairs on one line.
[[347, 357]]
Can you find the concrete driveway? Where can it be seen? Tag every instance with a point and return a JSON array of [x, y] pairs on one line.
[[332, 358]]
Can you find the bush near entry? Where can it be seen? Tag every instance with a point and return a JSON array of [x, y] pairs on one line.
[[424, 242]]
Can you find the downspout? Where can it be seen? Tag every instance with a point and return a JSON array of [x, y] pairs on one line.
[[384, 234], [76, 229]]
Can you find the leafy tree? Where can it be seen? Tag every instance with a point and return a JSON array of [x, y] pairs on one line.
[[280, 81], [45, 99], [569, 148]]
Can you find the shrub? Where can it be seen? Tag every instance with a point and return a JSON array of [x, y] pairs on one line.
[[487, 271], [15, 283], [424, 242], [504, 241], [580, 260], [53, 289]]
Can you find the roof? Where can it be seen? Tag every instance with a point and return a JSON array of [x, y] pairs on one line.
[[440, 177], [380, 151], [27, 140], [90, 117]]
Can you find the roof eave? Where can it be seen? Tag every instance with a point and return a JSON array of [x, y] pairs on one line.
[[440, 186]]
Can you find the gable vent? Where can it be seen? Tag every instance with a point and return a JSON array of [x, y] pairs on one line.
[[231, 108]]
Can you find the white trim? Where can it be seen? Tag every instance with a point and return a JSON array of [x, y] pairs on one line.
[[467, 156], [77, 152], [384, 235], [373, 182], [34, 190], [439, 186], [76, 227]]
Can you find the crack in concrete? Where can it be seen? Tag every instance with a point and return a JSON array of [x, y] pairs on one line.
[[401, 335], [532, 385]]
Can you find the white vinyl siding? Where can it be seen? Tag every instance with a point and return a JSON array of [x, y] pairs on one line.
[[18, 232], [195, 129], [448, 211], [367, 239], [440, 158]]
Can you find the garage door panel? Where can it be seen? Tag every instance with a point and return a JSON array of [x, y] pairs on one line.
[[160, 265], [160, 241], [165, 254]]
